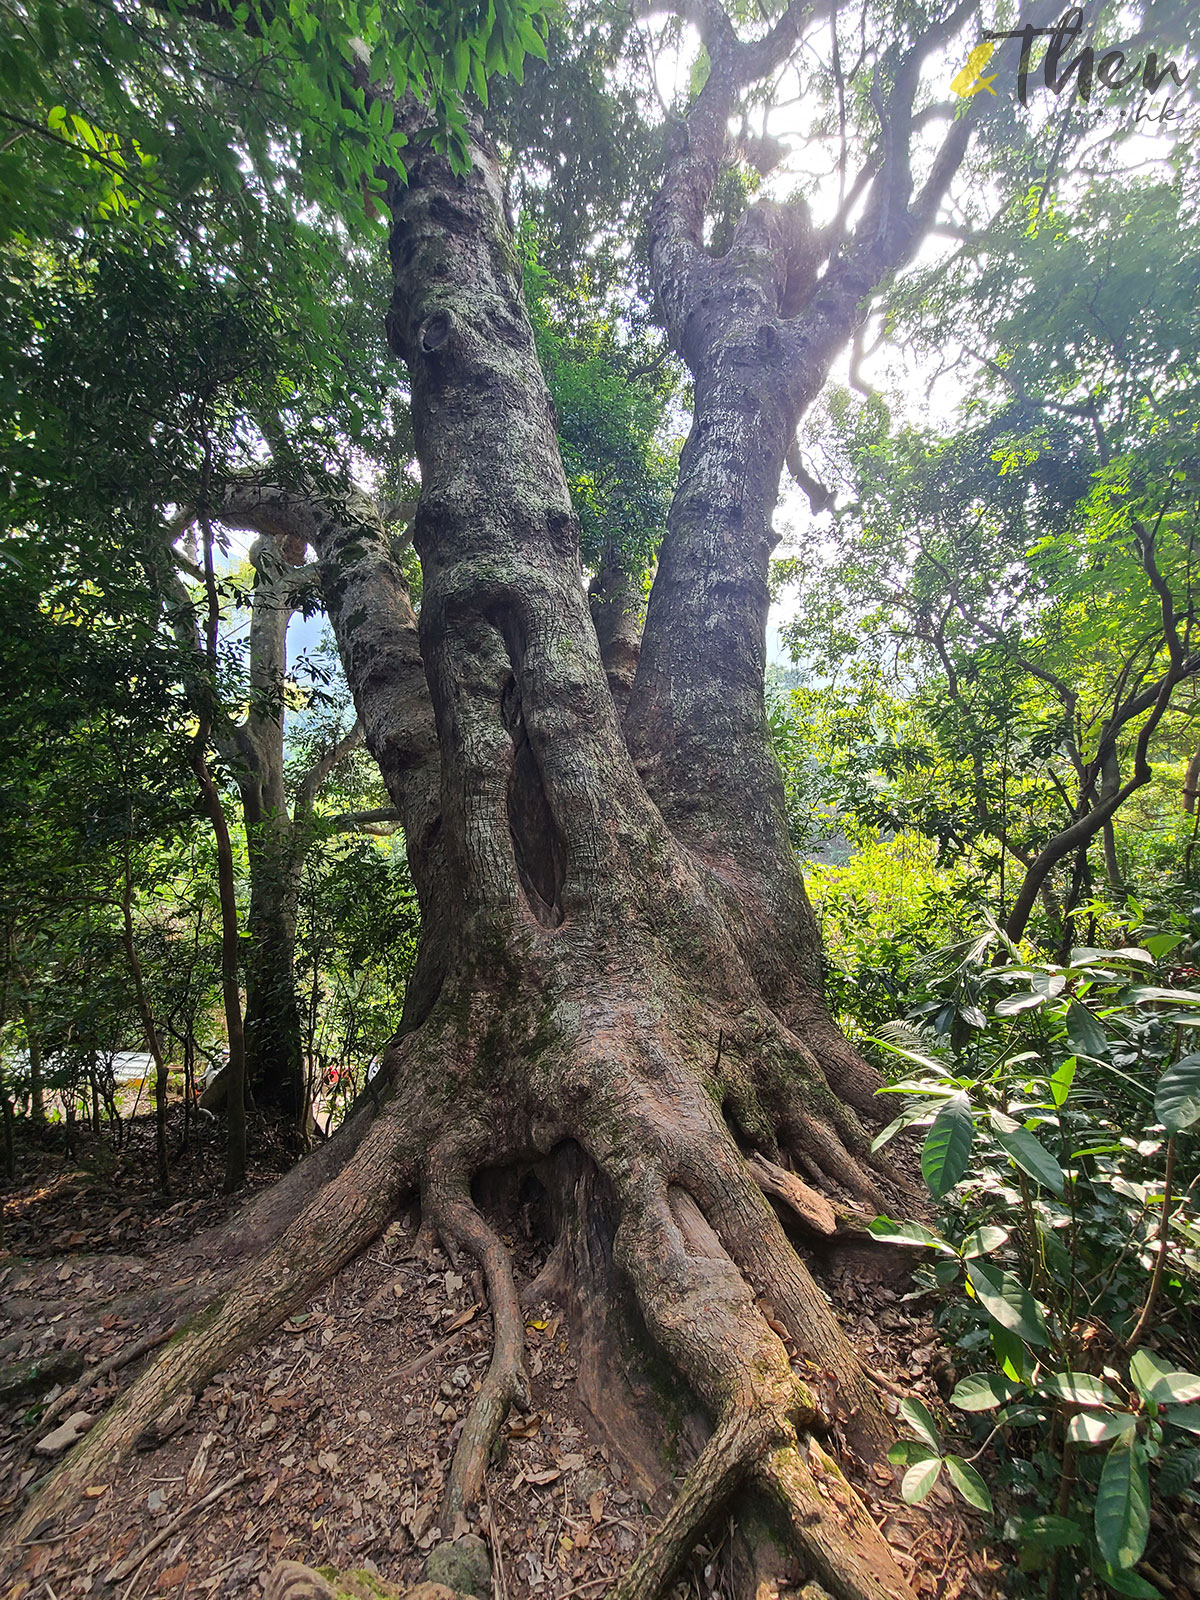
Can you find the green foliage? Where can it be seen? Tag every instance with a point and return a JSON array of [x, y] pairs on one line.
[[1045, 1121], [612, 390], [172, 113], [987, 631]]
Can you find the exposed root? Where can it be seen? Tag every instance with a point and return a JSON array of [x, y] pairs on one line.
[[714, 1275], [582, 1277], [94, 1375], [824, 1146], [812, 1208], [506, 1383], [699, 1306], [339, 1221], [829, 1526], [707, 1489], [753, 1236]]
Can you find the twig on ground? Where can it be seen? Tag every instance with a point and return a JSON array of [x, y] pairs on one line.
[[132, 1562], [114, 1363], [421, 1362]]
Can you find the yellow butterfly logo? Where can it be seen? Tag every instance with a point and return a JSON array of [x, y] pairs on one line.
[[970, 80]]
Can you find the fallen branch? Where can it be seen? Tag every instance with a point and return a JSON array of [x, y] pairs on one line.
[[419, 1363], [813, 1210], [132, 1562]]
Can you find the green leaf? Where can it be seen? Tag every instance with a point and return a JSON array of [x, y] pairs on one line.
[[1127, 1581], [1011, 1355], [1177, 1471], [1087, 955], [1033, 1158], [920, 1421], [1084, 1033], [947, 1147], [983, 1391], [931, 1063], [1047, 1532], [904, 1120], [1080, 1388], [1161, 944], [1162, 1384], [908, 1233], [1183, 1417], [1012, 1005], [982, 1241], [1060, 1083], [1177, 1098], [1123, 1505], [968, 1483], [907, 1452], [1007, 1300], [1143, 993], [1088, 1428], [919, 1480]]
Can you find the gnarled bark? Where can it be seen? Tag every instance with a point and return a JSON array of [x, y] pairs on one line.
[[591, 974], [624, 971]]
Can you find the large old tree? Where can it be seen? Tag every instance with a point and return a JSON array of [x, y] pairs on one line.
[[619, 981]]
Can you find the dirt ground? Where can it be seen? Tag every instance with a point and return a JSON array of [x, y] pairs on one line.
[[329, 1443]]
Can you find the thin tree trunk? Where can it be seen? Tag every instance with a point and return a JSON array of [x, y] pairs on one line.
[[274, 1059], [149, 1027], [235, 1098], [33, 1043], [274, 1068], [1191, 784], [617, 606], [1112, 862]]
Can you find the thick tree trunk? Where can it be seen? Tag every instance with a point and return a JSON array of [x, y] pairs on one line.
[[587, 989]]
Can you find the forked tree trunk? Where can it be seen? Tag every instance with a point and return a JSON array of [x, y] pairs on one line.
[[589, 989]]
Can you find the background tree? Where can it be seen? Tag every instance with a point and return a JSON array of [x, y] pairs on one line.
[[1032, 574]]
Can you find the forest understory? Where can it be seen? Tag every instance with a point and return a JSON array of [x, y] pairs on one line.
[[329, 1443]]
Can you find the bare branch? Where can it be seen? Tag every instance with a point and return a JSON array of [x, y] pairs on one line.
[[321, 768]]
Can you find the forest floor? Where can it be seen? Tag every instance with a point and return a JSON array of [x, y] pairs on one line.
[[329, 1442]]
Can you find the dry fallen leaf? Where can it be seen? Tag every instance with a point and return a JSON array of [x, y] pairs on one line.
[[195, 1473], [524, 1427], [461, 1320]]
